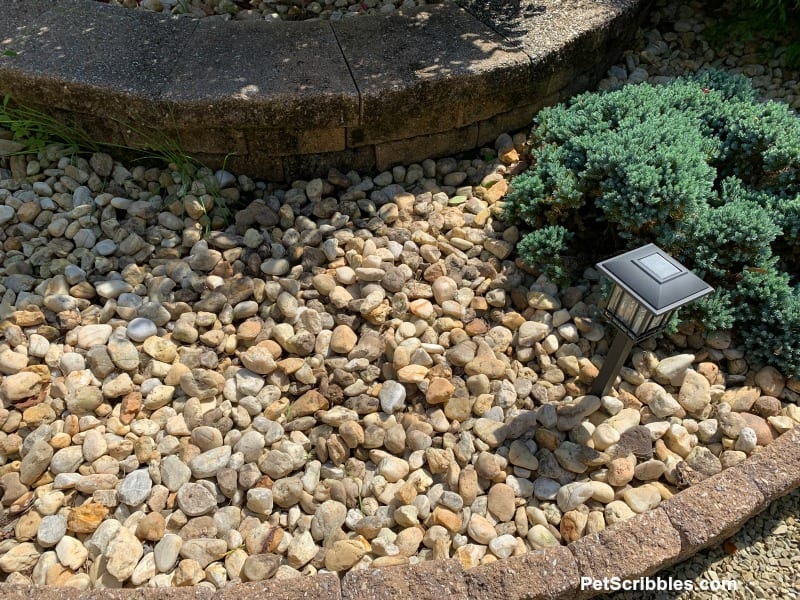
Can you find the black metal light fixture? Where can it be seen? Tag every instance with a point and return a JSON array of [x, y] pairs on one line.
[[649, 286]]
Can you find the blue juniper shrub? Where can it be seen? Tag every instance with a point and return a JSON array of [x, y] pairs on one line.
[[698, 166]]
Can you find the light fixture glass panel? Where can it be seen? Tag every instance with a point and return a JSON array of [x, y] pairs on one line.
[[626, 310], [661, 320], [613, 300], [643, 321]]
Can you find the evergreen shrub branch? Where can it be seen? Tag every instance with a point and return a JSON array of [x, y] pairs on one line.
[[697, 166]]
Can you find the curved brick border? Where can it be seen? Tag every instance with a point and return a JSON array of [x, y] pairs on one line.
[[287, 100], [700, 516]]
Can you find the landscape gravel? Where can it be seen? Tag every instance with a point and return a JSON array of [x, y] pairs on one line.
[[357, 372]]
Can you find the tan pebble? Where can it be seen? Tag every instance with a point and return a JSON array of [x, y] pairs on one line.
[[408, 540], [412, 374], [440, 390], [151, 527], [60, 440], [621, 471], [573, 525], [86, 518], [447, 519], [501, 502], [346, 553]]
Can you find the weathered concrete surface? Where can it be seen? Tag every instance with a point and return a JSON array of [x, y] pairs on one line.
[[96, 59], [424, 71], [775, 470], [254, 75], [713, 509], [282, 100]]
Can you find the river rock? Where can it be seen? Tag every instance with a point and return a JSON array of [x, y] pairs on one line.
[[123, 553], [135, 488], [672, 369]]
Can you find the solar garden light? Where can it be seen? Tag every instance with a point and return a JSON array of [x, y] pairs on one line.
[[649, 286]]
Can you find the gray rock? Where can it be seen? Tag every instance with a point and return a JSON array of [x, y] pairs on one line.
[[392, 396], [671, 370], [139, 329], [123, 354], [66, 460], [135, 488], [250, 445], [260, 566], [260, 500], [204, 550], [51, 530], [195, 499], [572, 495], [546, 489], [200, 383], [167, 551], [286, 492], [328, 519], [209, 463], [35, 462], [174, 473], [702, 460]]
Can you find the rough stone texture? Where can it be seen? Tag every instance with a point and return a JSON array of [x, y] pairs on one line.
[[425, 581], [321, 587], [774, 470], [712, 510], [19, 592], [489, 129], [17, 15], [417, 148], [538, 575], [632, 548]]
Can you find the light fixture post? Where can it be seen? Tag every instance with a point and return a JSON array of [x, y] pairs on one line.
[[648, 287], [617, 355]]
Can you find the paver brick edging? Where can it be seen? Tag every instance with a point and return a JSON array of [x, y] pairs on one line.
[[289, 100], [702, 515]]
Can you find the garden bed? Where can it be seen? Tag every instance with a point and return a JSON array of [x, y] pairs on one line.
[[357, 373]]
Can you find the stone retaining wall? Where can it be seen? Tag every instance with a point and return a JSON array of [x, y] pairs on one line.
[[290, 99], [696, 518]]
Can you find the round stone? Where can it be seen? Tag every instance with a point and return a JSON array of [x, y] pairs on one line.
[[195, 499], [135, 488], [51, 529], [392, 396], [139, 329]]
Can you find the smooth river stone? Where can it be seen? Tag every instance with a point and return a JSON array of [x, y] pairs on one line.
[[135, 488], [392, 396], [93, 335], [139, 329], [112, 288]]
